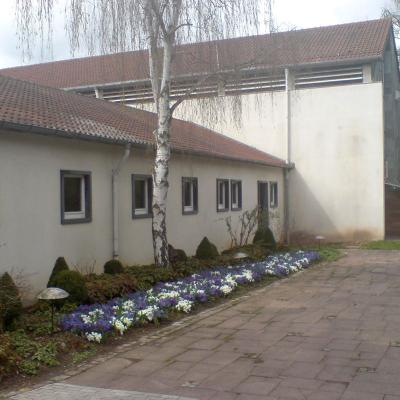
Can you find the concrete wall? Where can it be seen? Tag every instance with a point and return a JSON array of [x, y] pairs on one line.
[[392, 114], [30, 228], [337, 187]]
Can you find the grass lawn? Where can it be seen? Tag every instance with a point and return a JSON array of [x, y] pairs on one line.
[[382, 245]]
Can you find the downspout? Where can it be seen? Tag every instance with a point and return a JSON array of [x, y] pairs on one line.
[[115, 211], [288, 86]]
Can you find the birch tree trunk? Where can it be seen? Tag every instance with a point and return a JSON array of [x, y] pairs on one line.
[[160, 183], [161, 162]]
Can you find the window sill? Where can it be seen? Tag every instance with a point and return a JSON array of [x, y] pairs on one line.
[[222, 209], [236, 209], [142, 216], [193, 212], [72, 221]]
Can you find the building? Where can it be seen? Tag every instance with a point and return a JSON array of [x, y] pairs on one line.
[[324, 99], [75, 179]]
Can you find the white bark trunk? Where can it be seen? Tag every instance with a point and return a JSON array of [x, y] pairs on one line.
[[161, 162], [160, 185]]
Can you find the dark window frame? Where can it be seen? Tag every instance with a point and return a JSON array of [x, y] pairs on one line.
[[87, 176], [275, 203], [227, 195], [240, 195], [194, 182], [149, 187]]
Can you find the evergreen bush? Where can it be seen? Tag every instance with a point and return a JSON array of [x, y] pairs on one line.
[[206, 250], [10, 301], [60, 265], [113, 267], [74, 283], [265, 237]]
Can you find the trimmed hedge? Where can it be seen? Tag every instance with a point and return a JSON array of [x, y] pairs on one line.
[[10, 301], [74, 283], [101, 288], [206, 250], [113, 267], [265, 237], [59, 266]]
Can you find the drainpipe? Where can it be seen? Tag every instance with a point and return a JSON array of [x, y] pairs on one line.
[[115, 212], [289, 86]]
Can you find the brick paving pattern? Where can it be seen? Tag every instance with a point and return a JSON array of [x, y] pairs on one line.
[[62, 391], [331, 332]]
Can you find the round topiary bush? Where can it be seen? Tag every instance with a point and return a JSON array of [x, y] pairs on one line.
[[113, 267], [176, 255], [206, 250], [265, 237], [10, 301], [74, 283], [60, 265]]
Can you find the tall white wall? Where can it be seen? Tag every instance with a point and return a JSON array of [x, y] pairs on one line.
[[30, 227], [336, 189]]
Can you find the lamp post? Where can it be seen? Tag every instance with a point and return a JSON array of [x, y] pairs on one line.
[[50, 295]]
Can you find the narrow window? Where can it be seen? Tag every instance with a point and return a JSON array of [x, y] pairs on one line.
[[222, 195], [189, 196], [273, 194], [142, 187], [75, 197], [236, 195]]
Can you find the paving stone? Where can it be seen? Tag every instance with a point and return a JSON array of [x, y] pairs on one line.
[[330, 333], [61, 391]]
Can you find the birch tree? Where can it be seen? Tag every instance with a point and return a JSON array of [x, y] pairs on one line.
[[108, 26], [393, 12]]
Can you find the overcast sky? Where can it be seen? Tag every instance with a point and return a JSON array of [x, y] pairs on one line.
[[288, 14]]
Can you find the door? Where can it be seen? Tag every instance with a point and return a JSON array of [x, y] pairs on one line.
[[262, 204]]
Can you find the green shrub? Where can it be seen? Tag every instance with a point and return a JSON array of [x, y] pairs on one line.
[[8, 357], [113, 267], [60, 265], [74, 283], [206, 250], [10, 301], [148, 275], [101, 288], [265, 237], [176, 255]]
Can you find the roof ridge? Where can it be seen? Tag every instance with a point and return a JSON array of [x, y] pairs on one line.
[[112, 122], [223, 40]]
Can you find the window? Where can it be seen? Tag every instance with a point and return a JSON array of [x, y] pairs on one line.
[[189, 196], [273, 194], [142, 189], [222, 195], [236, 195], [75, 197]]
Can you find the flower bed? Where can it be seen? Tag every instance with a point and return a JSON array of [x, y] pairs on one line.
[[119, 314]]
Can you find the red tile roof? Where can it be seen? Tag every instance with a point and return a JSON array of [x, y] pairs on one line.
[[29, 106], [338, 43]]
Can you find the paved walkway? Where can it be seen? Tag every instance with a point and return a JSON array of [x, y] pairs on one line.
[[332, 332]]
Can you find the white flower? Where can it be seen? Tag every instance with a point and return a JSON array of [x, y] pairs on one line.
[[93, 337], [184, 305], [248, 275], [147, 313], [119, 326], [226, 289]]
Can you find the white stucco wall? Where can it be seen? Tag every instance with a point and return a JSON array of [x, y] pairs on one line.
[[30, 228], [337, 187], [337, 146]]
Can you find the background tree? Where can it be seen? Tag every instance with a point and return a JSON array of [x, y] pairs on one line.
[[108, 26], [393, 11]]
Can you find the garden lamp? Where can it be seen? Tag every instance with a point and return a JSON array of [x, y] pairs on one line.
[[50, 295]]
